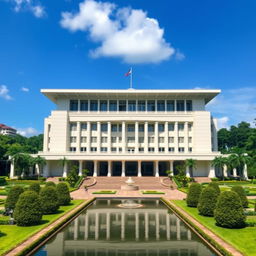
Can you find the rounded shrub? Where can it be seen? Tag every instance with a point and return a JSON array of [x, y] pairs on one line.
[[194, 192], [229, 211], [35, 187], [215, 186], [49, 200], [207, 201], [50, 184], [241, 193], [28, 209], [12, 197], [63, 194]]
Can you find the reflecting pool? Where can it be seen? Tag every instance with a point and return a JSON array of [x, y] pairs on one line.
[[105, 229]]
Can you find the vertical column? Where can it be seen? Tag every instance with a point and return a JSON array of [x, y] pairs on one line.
[[108, 225], [109, 168], [11, 169], [123, 225], [225, 170], [245, 173], [37, 169], [86, 228], [156, 169], [234, 172], [186, 136], [109, 137], [88, 137], [178, 228], [95, 169], [211, 171], [139, 168], [65, 170], [176, 137], [146, 225], [189, 234], [157, 226], [76, 229], [146, 137], [123, 169], [156, 137], [98, 136], [137, 226], [166, 136], [167, 225], [80, 167], [96, 226], [171, 166], [78, 139], [136, 137], [123, 137], [187, 172]]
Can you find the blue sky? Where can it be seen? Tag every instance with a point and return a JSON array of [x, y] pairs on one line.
[[91, 44]]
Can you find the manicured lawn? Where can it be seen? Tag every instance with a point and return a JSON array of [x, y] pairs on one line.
[[12, 235], [104, 192], [243, 239], [152, 192]]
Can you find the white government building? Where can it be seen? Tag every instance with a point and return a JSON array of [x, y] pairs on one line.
[[129, 132]]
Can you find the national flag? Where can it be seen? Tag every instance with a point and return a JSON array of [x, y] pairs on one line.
[[128, 73]]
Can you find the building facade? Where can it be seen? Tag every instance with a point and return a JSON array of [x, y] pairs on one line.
[[129, 132], [6, 130]]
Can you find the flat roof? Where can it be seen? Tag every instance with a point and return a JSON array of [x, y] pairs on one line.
[[54, 94]]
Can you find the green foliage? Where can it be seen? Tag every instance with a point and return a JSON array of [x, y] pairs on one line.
[[181, 177], [50, 184], [73, 176], [215, 186], [63, 194], [229, 211], [28, 209], [2, 181], [207, 201], [49, 200], [22, 163], [85, 172], [194, 193], [35, 187], [241, 193], [13, 197]]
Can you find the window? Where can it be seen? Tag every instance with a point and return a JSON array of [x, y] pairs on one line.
[[151, 149], [83, 126], [104, 139], [189, 149], [180, 105], [189, 105], [189, 139], [72, 149], [83, 139], [161, 149], [151, 128], [83, 149], [151, 105], [94, 127], [120, 149], [112, 105], [73, 127], [93, 149], [93, 105], [84, 105], [113, 139], [181, 127], [181, 150], [103, 105], [141, 105], [141, 139], [161, 139], [171, 127], [131, 105], [141, 127], [131, 128], [131, 150], [130, 139], [93, 139], [190, 127], [151, 139], [119, 128], [171, 140], [170, 105], [181, 139], [160, 105], [72, 139], [161, 127], [120, 139], [73, 105], [122, 105], [141, 149], [171, 149], [104, 127], [103, 149], [113, 127], [113, 149]]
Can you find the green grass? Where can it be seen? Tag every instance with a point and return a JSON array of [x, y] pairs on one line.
[[152, 192], [242, 239], [12, 235], [104, 192]]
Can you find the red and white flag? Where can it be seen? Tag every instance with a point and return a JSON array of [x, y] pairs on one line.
[[128, 73]]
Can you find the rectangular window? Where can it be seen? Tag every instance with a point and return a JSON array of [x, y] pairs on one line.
[[83, 105], [171, 149], [113, 149], [112, 105], [131, 128], [180, 105], [120, 149], [83, 126], [72, 149], [122, 105], [104, 127], [161, 127], [141, 105], [151, 105], [83, 149], [103, 149], [113, 127], [170, 127], [189, 149], [131, 105], [151, 128], [131, 150], [189, 139], [104, 139], [141, 127], [72, 139], [103, 105], [141, 139], [151, 149], [93, 105], [161, 139], [83, 139], [120, 139], [93, 149], [160, 105], [141, 149], [181, 139], [190, 127], [113, 139], [93, 139], [170, 105], [189, 105], [94, 126], [171, 139], [181, 150], [73, 105], [161, 149], [181, 127], [151, 139], [130, 139], [73, 127]]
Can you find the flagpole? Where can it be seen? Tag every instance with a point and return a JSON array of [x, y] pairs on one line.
[[131, 79]]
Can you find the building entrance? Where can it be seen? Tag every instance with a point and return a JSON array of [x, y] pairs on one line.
[[131, 169]]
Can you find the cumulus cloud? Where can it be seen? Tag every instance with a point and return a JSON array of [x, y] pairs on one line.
[[122, 32], [24, 89], [4, 92], [27, 132]]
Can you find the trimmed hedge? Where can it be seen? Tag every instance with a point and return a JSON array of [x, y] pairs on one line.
[[207, 201], [229, 211], [215, 186], [194, 193], [28, 209], [50, 184], [63, 194], [3, 180], [13, 197], [241, 193], [35, 187], [49, 200]]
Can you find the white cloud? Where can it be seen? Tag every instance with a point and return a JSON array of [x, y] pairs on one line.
[[223, 122], [4, 92], [27, 132], [24, 89], [122, 32], [179, 55], [38, 11]]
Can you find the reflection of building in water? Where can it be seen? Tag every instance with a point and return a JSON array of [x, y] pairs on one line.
[[109, 231]]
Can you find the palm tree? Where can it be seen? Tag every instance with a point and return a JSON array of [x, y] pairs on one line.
[[245, 160], [191, 164], [220, 162], [233, 162], [41, 162], [22, 163]]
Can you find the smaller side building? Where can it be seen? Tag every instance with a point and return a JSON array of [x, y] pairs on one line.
[[7, 130]]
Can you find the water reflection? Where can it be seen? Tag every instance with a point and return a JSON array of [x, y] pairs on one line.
[[105, 229]]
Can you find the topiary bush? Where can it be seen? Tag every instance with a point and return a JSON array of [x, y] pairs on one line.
[[63, 194], [241, 193], [194, 192], [229, 211], [50, 184], [13, 197], [49, 200], [28, 209], [207, 201], [35, 187], [215, 186]]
